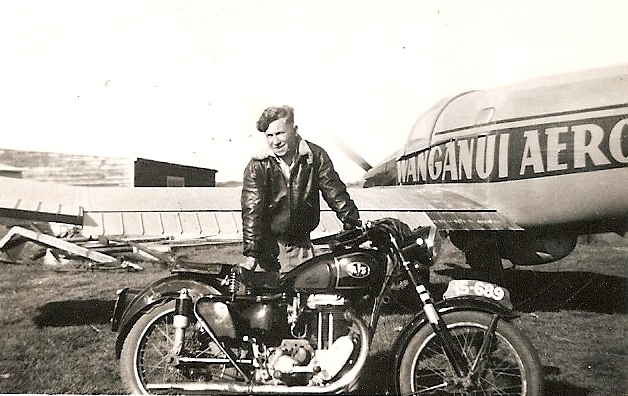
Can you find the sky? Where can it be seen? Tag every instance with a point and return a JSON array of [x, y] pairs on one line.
[[186, 81]]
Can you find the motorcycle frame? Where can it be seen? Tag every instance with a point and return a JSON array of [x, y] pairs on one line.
[[140, 301], [431, 313]]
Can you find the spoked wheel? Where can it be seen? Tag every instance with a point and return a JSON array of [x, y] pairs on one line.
[[509, 366], [147, 363]]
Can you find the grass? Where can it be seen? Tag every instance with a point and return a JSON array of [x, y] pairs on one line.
[[57, 339]]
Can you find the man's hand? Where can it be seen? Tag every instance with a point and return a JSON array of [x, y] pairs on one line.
[[351, 224], [249, 263]]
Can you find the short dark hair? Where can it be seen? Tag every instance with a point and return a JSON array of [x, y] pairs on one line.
[[274, 113]]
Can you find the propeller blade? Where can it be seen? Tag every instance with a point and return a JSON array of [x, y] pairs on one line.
[[349, 152]]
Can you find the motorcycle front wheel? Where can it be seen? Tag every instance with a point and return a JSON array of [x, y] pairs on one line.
[[510, 366], [147, 362]]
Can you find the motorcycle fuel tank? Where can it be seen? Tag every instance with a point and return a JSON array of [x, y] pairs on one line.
[[353, 270]]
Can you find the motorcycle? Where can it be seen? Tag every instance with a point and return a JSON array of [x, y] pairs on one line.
[[215, 328]]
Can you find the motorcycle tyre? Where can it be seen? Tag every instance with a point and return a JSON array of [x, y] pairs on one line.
[[128, 370], [523, 348]]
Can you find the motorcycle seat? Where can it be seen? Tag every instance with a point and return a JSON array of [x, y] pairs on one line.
[[200, 267]]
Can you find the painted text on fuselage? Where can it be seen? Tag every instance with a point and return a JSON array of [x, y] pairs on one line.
[[522, 152]]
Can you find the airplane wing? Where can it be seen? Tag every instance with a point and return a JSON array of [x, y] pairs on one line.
[[214, 213], [448, 210], [33, 200]]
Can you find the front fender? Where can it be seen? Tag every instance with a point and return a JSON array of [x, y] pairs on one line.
[[129, 308], [464, 303]]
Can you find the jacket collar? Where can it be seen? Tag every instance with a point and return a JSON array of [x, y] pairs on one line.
[[303, 150]]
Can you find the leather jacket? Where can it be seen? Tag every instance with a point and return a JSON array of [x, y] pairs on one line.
[[288, 210]]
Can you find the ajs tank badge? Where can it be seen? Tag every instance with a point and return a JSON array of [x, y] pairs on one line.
[[358, 270]]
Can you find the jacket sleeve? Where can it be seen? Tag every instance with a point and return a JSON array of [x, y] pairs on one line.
[[252, 201], [334, 191]]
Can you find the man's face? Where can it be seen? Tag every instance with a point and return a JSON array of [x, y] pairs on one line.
[[281, 137]]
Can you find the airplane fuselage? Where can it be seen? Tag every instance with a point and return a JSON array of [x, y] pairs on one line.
[[564, 169], [550, 155]]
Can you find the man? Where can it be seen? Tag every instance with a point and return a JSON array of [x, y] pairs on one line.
[[280, 195]]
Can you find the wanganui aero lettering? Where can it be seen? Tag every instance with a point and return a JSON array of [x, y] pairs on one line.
[[520, 153]]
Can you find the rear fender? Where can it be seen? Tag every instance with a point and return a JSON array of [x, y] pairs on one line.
[[465, 303], [156, 294]]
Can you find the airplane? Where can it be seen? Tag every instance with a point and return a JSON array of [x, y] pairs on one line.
[[550, 155], [516, 172]]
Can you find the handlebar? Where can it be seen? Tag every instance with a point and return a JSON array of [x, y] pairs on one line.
[[342, 236], [353, 236], [412, 244]]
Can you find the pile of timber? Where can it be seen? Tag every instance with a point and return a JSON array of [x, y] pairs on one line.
[[32, 243]]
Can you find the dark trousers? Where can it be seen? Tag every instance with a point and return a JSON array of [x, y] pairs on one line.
[[282, 256]]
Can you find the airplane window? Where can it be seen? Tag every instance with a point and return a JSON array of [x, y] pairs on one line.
[[485, 116], [421, 132]]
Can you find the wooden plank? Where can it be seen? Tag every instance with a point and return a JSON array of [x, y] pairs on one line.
[[57, 243]]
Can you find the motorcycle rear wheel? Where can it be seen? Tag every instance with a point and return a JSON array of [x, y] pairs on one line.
[[512, 367], [145, 359]]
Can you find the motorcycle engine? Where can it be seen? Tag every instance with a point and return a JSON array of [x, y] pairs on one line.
[[319, 354], [307, 342]]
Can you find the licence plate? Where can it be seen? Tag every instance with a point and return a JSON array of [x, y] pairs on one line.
[[477, 288]]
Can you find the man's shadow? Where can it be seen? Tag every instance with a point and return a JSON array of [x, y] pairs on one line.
[[531, 290], [551, 291]]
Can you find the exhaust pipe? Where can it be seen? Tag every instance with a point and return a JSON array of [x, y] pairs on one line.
[[344, 383]]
